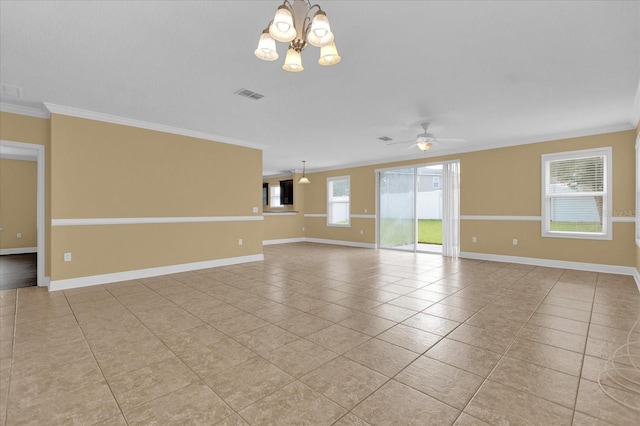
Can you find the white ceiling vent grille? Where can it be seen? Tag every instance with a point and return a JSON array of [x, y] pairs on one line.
[[385, 138], [249, 94]]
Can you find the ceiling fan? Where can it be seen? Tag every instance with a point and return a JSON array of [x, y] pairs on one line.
[[425, 140]]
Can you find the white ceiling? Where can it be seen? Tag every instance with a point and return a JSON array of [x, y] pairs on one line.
[[494, 73]]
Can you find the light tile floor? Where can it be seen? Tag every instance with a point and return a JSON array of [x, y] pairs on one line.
[[321, 335]]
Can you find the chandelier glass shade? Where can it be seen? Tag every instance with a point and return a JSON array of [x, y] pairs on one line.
[[298, 23], [266, 47], [293, 61]]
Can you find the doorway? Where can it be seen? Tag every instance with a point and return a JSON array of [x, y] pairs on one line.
[[31, 152], [419, 208]]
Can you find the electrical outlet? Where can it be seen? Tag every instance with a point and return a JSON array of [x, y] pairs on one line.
[[255, 210], [366, 210], [19, 235], [515, 241], [67, 257], [474, 239], [303, 229], [239, 241], [361, 232]]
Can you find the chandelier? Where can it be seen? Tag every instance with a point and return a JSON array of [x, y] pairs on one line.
[[293, 24]]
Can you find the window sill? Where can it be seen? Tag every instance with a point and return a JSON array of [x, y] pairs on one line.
[[577, 236]]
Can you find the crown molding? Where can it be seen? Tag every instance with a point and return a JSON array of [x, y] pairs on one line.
[[24, 110], [124, 121]]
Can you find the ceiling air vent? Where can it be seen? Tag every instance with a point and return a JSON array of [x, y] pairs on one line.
[[385, 138], [249, 94]]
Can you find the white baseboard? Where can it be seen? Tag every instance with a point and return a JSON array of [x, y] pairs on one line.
[[284, 241], [582, 266], [636, 275], [318, 241], [19, 250], [340, 243], [149, 272]]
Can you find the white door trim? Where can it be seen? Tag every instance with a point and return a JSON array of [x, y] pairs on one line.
[[38, 151]]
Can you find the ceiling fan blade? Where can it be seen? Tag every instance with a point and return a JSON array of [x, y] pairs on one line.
[[450, 140], [398, 143]]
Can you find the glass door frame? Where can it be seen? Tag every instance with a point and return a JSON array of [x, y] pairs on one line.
[[415, 168]]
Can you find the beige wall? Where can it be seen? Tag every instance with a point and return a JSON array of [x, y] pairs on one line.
[[18, 203], [500, 182], [102, 170], [485, 191], [20, 128], [98, 170], [363, 201]]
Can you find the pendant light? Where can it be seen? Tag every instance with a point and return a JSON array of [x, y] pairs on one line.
[[304, 179]]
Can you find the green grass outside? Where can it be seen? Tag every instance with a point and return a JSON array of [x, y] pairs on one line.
[[401, 232], [576, 226], [430, 231]]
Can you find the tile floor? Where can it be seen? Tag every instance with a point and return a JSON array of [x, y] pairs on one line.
[[321, 335]]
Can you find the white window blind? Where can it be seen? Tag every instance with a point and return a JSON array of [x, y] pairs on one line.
[[338, 210], [275, 196], [576, 194]]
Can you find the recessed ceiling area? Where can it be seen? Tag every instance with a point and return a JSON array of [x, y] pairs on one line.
[[491, 73]]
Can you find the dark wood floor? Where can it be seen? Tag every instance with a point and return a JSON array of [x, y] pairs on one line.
[[18, 270]]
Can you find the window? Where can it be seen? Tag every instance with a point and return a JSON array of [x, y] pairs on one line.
[[275, 196], [338, 201], [436, 182], [576, 194]]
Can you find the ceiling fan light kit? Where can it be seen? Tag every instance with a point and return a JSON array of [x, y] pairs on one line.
[[293, 23], [424, 145], [424, 141]]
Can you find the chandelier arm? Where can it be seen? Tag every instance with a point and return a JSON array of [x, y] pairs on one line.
[[306, 23]]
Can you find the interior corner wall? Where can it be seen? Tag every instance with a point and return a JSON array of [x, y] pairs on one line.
[[25, 129], [18, 204], [129, 199]]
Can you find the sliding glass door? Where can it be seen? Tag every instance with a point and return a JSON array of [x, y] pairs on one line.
[[419, 208], [396, 200]]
